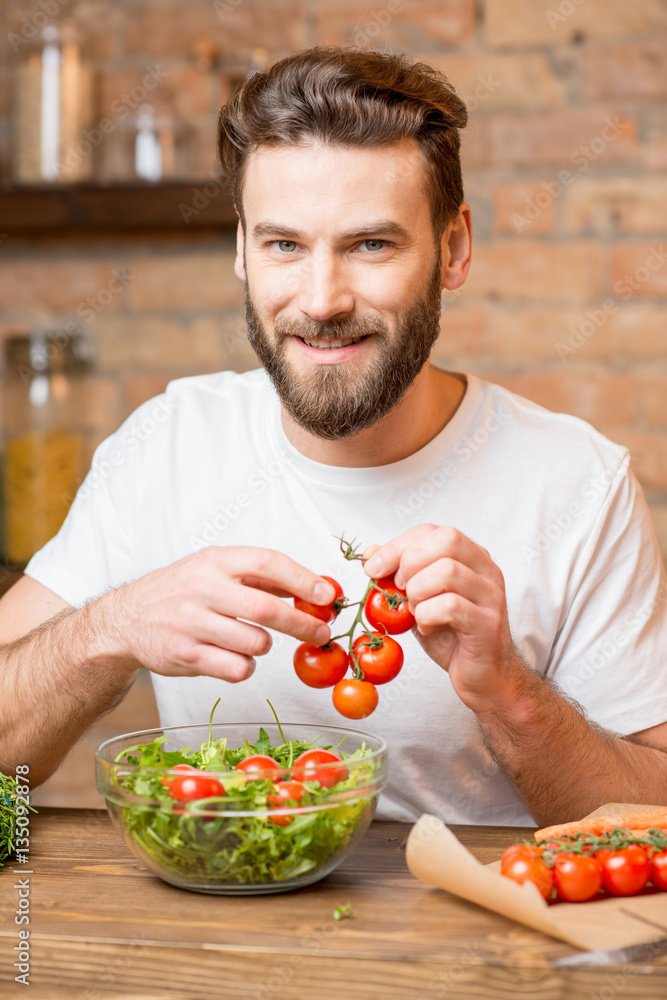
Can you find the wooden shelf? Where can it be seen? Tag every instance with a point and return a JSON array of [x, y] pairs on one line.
[[179, 206]]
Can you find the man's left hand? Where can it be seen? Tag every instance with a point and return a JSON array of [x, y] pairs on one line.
[[457, 595]]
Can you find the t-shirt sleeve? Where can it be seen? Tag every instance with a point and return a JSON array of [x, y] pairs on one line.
[[94, 549], [610, 652]]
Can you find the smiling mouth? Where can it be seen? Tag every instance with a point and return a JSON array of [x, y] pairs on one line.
[[332, 345]]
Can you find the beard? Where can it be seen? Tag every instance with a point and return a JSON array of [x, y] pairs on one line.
[[338, 401]]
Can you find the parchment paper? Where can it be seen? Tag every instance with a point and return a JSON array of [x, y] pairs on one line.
[[435, 855]]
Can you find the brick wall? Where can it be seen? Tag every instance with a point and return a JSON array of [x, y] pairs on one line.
[[564, 164]]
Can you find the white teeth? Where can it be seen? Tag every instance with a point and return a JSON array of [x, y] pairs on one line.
[[331, 345]]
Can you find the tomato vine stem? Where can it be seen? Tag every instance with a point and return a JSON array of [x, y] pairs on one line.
[[357, 672], [394, 601]]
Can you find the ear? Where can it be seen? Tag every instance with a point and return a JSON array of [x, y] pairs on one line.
[[239, 269], [457, 249]]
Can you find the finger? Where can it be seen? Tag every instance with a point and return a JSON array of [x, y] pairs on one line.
[[449, 542], [386, 559], [211, 661], [238, 636], [223, 663], [238, 601], [449, 575], [368, 552], [269, 570], [448, 609], [276, 591]]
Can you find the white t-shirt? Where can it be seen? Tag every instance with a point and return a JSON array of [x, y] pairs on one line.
[[551, 499]]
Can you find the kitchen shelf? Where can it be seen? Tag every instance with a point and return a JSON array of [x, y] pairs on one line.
[[117, 208]]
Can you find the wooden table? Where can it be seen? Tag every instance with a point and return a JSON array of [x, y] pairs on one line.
[[102, 927]]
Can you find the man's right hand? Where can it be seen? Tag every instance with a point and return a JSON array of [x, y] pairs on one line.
[[208, 612]]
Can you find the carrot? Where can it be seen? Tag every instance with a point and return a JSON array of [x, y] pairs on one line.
[[651, 818]]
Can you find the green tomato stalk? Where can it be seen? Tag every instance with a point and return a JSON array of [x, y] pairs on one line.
[[350, 552], [589, 843]]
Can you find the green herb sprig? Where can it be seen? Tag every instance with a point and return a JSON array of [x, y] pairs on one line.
[[8, 802]]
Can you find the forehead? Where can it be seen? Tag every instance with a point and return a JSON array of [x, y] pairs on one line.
[[319, 182]]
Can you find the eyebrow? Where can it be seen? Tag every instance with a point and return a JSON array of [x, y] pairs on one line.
[[386, 226]]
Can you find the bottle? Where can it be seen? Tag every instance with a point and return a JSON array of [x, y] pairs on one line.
[[53, 106], [42, 396], [153, 144]]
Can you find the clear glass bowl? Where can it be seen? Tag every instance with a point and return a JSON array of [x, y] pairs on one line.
[[220, 845]]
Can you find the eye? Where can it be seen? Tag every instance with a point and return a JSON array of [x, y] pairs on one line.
[[375, 244], [287, 245]]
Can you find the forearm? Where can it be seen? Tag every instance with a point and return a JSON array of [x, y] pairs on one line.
[[562, 766], [55, 682]]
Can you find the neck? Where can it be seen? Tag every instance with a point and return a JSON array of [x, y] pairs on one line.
[[426, 408]]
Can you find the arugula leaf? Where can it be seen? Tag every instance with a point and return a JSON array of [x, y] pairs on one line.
[[263, 744]]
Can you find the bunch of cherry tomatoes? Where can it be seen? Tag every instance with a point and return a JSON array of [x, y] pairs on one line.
[[372, 655], [578, 868]]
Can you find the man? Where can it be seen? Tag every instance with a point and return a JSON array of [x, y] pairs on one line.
[[521, 536]]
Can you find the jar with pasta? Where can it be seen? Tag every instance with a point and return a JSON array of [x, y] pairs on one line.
[[42, 395]]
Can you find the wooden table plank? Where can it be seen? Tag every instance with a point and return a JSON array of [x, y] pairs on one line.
[[103, 926]]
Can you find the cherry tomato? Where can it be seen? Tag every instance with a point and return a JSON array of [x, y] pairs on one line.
[[379, 664], [659, 870], [285, 794], [166, 780], [520, 850], [527, 867], [625, 872], [260, 766], [321, 666], [325, 612], [188, 787], [577, 877], [311, 766], [381, 615], [355, 699]]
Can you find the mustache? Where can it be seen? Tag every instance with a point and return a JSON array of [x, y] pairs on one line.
[[332, 330]]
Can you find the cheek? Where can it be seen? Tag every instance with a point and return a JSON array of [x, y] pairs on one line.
[[389, 290], [273, 288]]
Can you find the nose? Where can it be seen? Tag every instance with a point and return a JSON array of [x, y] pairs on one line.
[[324, 292]]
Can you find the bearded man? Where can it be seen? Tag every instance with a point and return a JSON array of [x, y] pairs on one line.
[[535, 682]]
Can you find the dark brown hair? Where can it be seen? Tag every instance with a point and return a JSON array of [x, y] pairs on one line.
[[348, 97]]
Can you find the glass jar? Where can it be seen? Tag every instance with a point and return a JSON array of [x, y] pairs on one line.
[[53, 108], [146, 146], [43, 386]]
